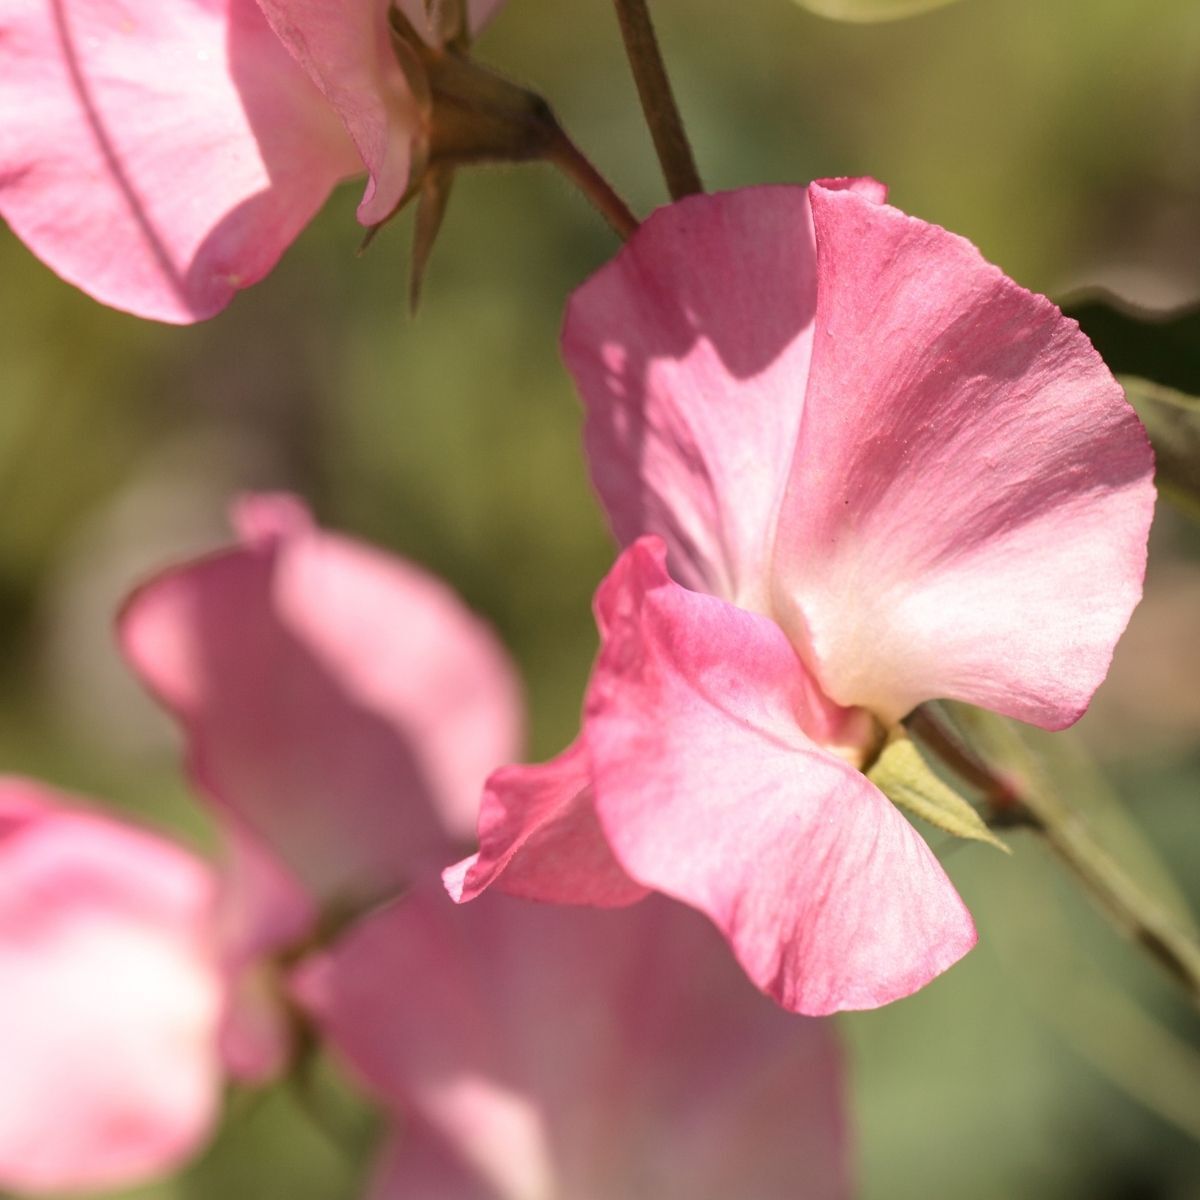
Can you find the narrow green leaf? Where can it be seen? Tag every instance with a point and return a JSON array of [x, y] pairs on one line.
[[1172, 420], [905, 778], [1066, 792], [864, 11], [1162, 347]]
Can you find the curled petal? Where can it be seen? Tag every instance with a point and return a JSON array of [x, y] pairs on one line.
[[342, 703], [159, 156], [110, 998], [548, 1051], [691, 350], [708, 790], [539, 838], [970, 495], [345, 46]]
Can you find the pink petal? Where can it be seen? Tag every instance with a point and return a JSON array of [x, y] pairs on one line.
[[971, 494], [709, 791], [539, 837], [400, 996], [159, 156], [344, 704], [346, 48], [110, 998], [643, 1062], [691, 350], [262, 912], [416, 1163]]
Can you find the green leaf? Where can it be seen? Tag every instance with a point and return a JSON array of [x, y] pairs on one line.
[[864, 11], [1172, 420], [905, 778], [1062, 787], [1161, 347], [1156, 356]]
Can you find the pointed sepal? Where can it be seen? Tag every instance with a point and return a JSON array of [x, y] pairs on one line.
[[904, 777]]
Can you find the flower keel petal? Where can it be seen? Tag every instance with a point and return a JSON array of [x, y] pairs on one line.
[[709, 791]]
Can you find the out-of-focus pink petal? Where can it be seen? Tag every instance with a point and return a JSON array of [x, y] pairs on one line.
[[709, 791], [406, 646], [479, 13], [433, 1047], [159, 156], [691, 350], [346, 48], [344, 704], [257, 1034], [417, 1163], [647, 1064], [970, 496], [261, 519], [539, 838], [110, 998], [262, 910]]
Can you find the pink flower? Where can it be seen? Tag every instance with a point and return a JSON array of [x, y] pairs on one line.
[[342, 711], [344, 708], [341, 705], [874, 471], [527, 1052], [162, 156], [111, 997]]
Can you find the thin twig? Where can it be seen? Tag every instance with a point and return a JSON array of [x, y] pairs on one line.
[[572, 162], [658, 101]]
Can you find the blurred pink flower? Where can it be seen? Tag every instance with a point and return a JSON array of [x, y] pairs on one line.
[[875, 471], [111, 997], [162, 156], [528, 1052], [341, 705], [343, 709]]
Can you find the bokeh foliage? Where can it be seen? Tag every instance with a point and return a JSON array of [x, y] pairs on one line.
[[1061, 137]]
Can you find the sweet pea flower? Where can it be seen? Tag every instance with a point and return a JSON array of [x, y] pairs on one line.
[[341, 705], [854, 467], [342, 710], [527, 1052], [162, 156], [111, 997]]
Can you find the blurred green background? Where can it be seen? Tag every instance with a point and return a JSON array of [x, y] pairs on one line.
[[1063, 137]]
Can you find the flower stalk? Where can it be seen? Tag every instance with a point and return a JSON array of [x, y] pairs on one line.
[[1009, 804], [562, 152], [658, 101]]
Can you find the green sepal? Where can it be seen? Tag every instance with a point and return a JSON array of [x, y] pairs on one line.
[[906, 779]]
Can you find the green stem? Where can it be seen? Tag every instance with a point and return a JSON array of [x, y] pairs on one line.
[[1144, 920], [1066, 834], [658, 101], [572, 162]]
